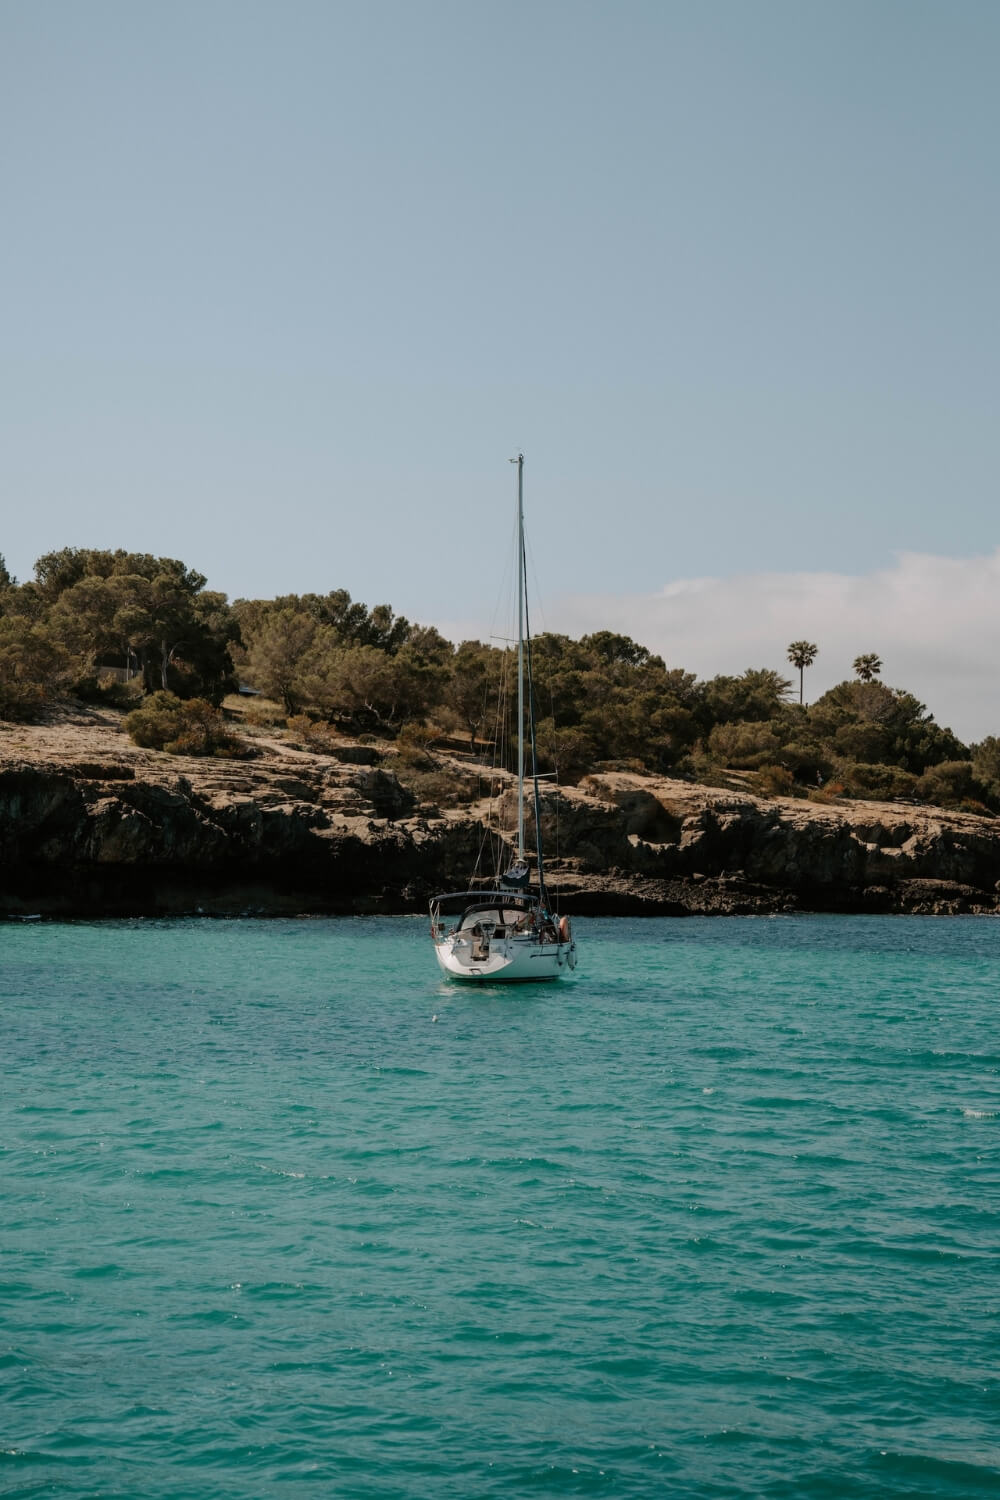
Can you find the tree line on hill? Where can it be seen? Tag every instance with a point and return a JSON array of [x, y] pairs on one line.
[[143, 632]]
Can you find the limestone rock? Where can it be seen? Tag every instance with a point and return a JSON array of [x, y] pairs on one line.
[[90, 824]]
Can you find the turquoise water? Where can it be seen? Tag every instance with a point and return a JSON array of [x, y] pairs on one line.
[[719, 1216]]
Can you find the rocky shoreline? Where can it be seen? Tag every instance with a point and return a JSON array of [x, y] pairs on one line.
[[92, 826]]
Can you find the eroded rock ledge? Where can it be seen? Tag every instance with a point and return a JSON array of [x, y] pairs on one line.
[[92, 826]]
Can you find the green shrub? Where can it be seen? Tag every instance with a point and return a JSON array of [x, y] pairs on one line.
[[311, 734], [950, 784], [773, 781], [876, 781], [317, 736], [182, 727], [105, 689], [569, 752], [970, 805], [806, 760], [744, 746], [413, 745], [264, 715], [21, 700], [986, 760], [829, 792], [447, 787], [34, 668]]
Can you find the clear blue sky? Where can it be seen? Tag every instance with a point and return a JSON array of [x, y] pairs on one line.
[[284, 285]]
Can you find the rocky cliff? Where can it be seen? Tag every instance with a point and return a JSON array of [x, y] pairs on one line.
[[91, 825]]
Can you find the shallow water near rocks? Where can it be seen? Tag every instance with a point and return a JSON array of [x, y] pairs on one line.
[[285, 1214]]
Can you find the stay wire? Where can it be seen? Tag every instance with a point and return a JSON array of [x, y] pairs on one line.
[[534, 747]]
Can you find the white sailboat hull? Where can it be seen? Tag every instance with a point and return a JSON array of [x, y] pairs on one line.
[[508, 960]]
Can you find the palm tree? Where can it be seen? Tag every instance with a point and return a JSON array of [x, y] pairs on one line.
[[802, 654], [868, 666]]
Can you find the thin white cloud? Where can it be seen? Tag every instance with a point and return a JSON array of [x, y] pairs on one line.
[[933, 620]]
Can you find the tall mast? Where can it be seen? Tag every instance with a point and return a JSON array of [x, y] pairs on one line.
[[520, 656]]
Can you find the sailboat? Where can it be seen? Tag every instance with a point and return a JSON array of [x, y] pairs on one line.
[[507, 931]]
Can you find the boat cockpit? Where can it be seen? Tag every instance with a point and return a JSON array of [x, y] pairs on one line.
[[485, 916]]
